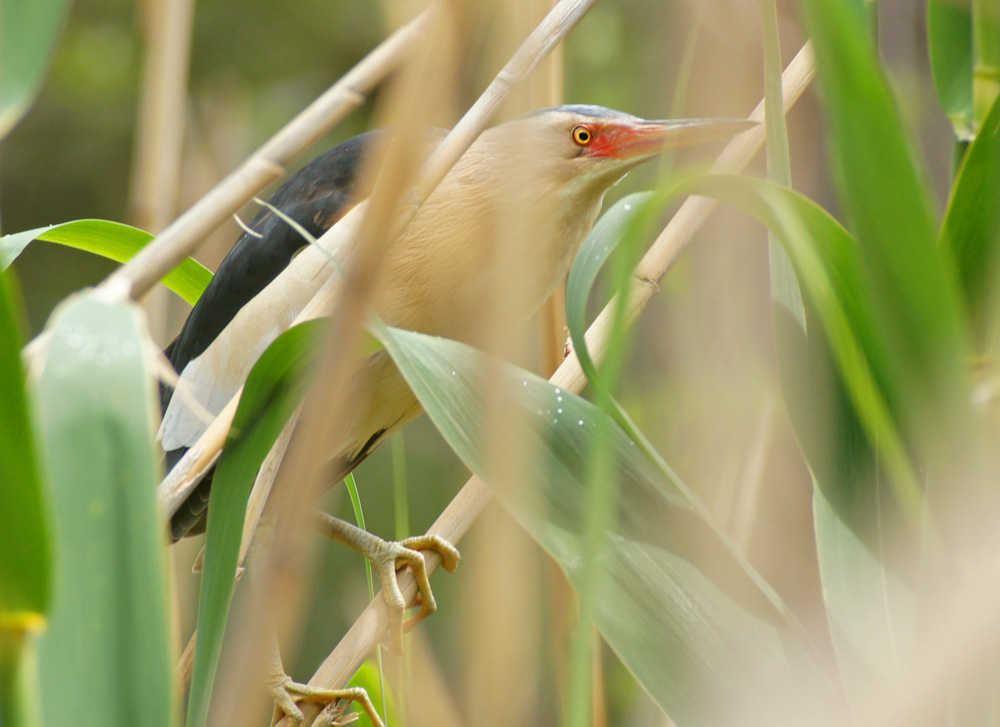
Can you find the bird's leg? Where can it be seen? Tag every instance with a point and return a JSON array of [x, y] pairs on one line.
[[388, 557], [287, 693]]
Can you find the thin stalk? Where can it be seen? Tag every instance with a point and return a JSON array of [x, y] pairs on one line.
[[160, 127], [597, 516], [779, 165], [359, 518], [682, 81], [400, 497], [401, 516], [599, 511], [545, 88], [784, 288]]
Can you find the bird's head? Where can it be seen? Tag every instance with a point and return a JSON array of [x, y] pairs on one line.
[[589, 148]]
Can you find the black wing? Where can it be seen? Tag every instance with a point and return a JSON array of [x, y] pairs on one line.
[[315, 197]]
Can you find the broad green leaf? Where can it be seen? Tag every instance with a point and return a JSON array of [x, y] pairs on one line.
[[106, 658], [273, 390], [25, 547], [673, 604], [371, 677], [28, 30], [112, 240], [949, 43], [25, 550], [918, 317], [867, 493], [886, 199], [829, 265], [970, 233]]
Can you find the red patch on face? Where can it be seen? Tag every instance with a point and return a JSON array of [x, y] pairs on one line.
[[624, 141]]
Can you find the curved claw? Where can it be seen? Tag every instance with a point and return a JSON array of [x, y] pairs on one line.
[[393, 557], [287, 693]]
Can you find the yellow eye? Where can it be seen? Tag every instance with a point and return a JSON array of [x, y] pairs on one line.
[[582, 135]]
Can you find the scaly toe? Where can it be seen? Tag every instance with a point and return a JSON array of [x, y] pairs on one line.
[[448, 552], [286, 693]]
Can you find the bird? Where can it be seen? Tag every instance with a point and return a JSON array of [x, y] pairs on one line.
[[543, 174]]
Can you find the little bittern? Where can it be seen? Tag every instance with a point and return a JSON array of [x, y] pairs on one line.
[[548, 171]]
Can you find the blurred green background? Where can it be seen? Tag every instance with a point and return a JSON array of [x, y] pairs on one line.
[[701, 379]]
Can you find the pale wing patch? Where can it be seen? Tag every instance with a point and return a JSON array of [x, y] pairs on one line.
[[215, 376]]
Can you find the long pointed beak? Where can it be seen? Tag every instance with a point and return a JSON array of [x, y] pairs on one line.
[[643, 138]]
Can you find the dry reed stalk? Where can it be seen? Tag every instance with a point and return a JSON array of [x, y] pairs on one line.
[[299, 474], [502, 594], [539, 44], [545, 88], [159, 135], [158, 144], [282, 566], [160, 126], [456, 519]]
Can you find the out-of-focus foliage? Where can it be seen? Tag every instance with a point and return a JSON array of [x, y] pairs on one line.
[[25, 567], [112, 240], [664, 565], [840, 420], [106, 657], [273, 390], [25, 544], [970, 232], [28, 31], [873, 357], [949, 41], [369, 679]]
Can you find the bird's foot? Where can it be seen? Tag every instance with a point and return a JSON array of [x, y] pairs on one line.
[[387, 559], [391, 557], [287, 694]]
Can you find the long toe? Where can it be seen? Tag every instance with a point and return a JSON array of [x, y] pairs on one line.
[[448, 552], [287, 694], [387, 558]]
